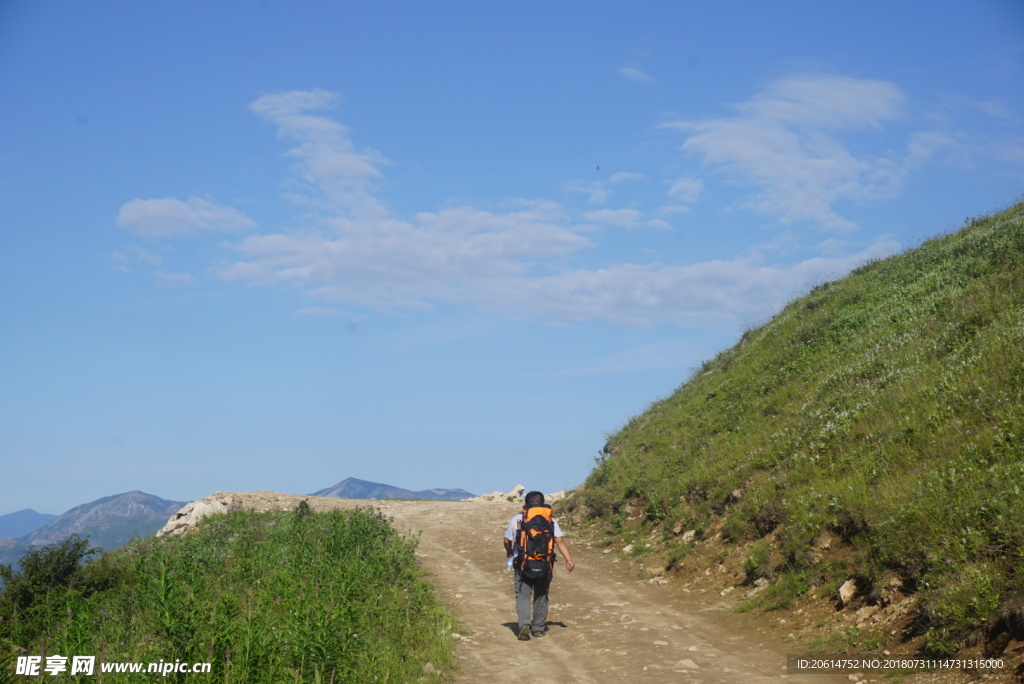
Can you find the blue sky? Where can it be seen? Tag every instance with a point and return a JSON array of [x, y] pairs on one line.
[[273, 245]]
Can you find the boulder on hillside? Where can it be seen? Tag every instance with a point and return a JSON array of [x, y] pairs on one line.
[[191, 513]]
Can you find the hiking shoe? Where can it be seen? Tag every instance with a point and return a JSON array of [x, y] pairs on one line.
[[524, 633], [540, 633]]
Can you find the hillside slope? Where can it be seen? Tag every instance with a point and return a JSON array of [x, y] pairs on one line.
[[109, 522], [872, 430]]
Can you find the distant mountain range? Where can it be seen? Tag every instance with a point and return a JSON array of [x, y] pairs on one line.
[[351, 488], [109, 522], [113, 521], [20, 523]]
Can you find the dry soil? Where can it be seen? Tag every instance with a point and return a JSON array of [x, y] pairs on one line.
[[606, 623]]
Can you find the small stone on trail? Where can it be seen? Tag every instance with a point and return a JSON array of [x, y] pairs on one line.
[[686, 664]]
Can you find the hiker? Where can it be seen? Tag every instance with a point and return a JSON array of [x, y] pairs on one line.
[[530, 539]]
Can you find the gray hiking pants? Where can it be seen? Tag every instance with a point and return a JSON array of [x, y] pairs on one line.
[[533, 592]]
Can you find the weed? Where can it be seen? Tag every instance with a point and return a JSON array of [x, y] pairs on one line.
[[270, 597], [886, 408]]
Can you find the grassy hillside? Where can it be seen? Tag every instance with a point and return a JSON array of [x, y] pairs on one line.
[[263, 597], [885, 409]]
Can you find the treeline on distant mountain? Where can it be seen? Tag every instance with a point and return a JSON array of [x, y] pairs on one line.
[[264, 597], [885, 409]]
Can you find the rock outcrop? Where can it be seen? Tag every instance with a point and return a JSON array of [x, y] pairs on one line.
[[516, 494], [224, 502]]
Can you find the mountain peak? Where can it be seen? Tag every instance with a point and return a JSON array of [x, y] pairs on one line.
[[354, 488], [109, 522], [22, 522]]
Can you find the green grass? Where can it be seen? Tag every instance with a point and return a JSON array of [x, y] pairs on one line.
[[886, 407], [271, 597]]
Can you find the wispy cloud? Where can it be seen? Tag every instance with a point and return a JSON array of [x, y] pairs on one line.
[[598, 192], [634, 74], [707, 294], [686, 190], [449, 255], [595, 191], [133, 255], [328, 168], [785, 141], [347, 248], [169, 217], [629, 219]]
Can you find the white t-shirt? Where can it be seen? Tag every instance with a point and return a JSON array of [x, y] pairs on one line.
[[510, 531]]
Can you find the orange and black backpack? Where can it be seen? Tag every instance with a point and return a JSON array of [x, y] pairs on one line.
[[536, 541]]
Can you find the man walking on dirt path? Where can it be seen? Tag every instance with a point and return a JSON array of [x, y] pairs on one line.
[[533, 591]]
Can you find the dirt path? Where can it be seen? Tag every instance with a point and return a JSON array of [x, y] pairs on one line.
[[606, 625]]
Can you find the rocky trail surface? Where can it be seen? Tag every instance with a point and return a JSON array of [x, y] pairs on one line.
[[606, 624]]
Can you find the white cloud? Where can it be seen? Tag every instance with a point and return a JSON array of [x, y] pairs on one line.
[[347, 248], [630, 219], [443, 255], [595, 191], [328, 168], [783, 142], [136, 255], [826, 102], [354, 250], [508, 263], [707, 294], [169, 217], [634, 74], [686, 190], [622, 218]]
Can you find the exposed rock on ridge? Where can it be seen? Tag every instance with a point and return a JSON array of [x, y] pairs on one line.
[[224, 502], [516, 494]]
